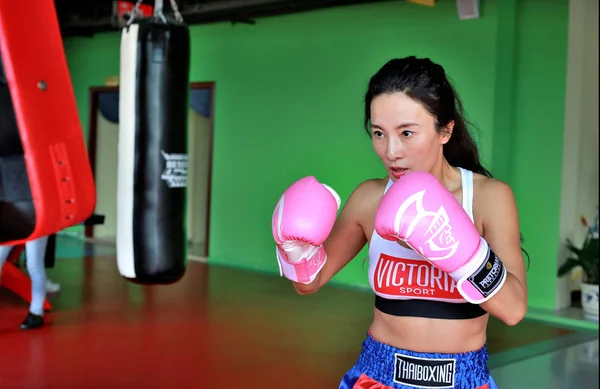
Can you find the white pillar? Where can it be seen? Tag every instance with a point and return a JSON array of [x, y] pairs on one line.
[[579, 194]]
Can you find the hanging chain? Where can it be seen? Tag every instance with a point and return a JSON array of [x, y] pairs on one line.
[[178, 16], [158, 11], [134, 12]]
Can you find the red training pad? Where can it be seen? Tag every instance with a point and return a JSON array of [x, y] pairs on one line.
[[60, 176]]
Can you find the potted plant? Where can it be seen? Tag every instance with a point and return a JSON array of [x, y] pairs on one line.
[[587, 258]]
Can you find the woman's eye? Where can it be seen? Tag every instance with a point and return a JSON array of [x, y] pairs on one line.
[[407, 134], [377, 134]]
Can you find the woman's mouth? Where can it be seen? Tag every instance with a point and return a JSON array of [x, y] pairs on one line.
[[398, 172]]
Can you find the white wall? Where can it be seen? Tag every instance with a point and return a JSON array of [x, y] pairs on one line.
[[106, 172], [588, 144], [106, 177], [198, 148], [579, 196]]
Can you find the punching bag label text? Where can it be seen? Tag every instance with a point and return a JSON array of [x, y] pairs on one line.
[[176, 170]]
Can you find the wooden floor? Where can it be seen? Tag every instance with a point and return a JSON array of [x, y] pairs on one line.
[[216, 328]]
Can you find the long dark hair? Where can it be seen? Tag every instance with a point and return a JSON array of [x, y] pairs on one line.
[[426, 82]]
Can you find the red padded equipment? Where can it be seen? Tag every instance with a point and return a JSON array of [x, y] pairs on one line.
[[57, 165]]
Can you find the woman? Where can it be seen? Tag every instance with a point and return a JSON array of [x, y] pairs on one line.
[[35, 251], [425, 333]]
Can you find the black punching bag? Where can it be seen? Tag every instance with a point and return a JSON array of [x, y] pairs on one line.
[[153, 159]]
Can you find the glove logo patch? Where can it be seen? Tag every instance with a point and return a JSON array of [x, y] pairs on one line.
[[439, 241], [489, 275]]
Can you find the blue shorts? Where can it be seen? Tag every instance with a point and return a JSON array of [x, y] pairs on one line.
[[381, 366]]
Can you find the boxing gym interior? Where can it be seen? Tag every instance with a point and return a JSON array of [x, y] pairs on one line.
[[274, 94]]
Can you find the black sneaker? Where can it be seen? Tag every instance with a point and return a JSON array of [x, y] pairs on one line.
[[32, 321]]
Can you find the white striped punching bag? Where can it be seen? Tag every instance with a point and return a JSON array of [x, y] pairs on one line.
[[152, 153]]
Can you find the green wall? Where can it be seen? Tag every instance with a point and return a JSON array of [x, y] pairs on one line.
[[539, 114], [291, 87]]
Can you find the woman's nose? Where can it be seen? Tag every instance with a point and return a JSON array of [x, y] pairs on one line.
[[394, 148]]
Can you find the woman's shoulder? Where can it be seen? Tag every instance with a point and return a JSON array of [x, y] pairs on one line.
[[491, 191], [367, 195], [489, 184], [373, 187], [374, 183]]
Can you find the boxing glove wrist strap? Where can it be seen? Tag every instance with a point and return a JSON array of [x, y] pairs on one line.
[[482, 277], [306, 269]]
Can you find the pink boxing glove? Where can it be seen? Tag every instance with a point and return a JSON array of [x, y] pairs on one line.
[[420, 211], [302, 221]]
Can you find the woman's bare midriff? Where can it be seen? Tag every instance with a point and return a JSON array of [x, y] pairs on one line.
[[429, 335]]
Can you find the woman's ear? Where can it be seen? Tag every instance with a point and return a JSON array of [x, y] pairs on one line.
[[446, 132]]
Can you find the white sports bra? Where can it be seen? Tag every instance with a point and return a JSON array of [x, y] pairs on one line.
[[399, 273]]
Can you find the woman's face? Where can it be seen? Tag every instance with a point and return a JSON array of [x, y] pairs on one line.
[[404, 135]]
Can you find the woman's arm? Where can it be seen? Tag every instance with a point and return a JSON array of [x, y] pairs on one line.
[[347, 237], [501, 230]]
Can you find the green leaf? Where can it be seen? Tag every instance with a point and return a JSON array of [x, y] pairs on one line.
[[569, 265], [587, 257], [575, 250]]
